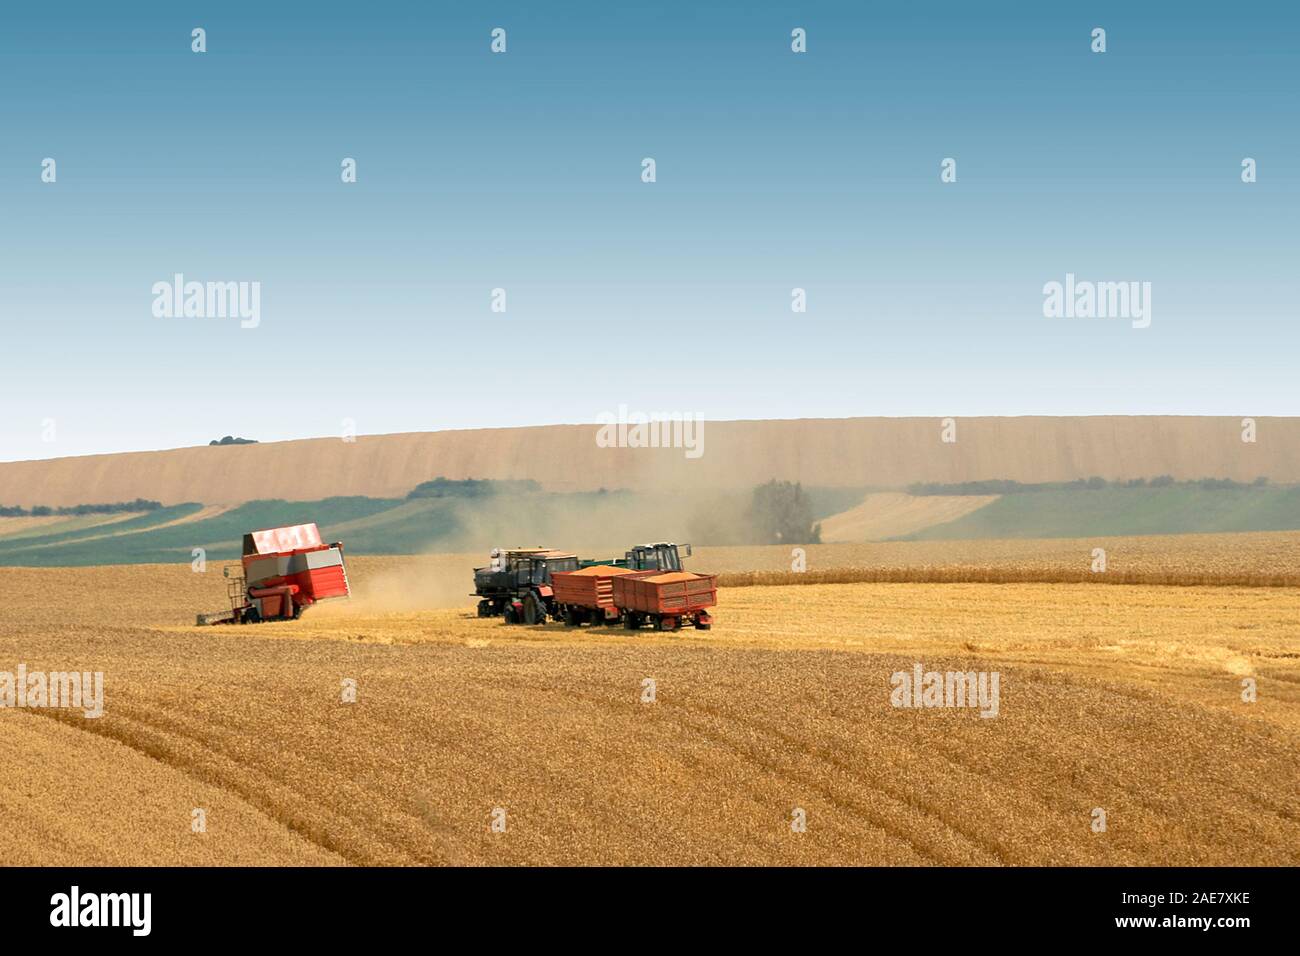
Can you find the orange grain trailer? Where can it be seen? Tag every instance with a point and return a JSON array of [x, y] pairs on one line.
[[666, 600], [586, 596]]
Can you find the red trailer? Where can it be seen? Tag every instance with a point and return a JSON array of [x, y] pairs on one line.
[[284, 571], [666, 600], [586, 596]]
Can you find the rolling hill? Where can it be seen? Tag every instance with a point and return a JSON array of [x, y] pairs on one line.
[[884, 453]]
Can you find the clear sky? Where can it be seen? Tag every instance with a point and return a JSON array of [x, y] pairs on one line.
[[522, 171]]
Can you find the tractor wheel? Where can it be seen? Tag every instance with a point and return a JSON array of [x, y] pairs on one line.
[[534, 612]]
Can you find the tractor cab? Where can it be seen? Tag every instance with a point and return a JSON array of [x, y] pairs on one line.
[[536, 569], [515, 576], [660, 556], [510, 568]]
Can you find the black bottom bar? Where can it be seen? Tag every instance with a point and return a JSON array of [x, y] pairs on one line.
[[941, 906]]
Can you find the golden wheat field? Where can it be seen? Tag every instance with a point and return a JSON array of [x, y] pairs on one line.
[[1127, 699]]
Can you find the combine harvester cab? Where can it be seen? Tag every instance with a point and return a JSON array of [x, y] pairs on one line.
[[283, 572]]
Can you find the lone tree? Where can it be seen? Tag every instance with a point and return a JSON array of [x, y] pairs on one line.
[[232, 440], [781, 513]]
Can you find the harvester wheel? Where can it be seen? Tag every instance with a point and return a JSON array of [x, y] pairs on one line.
[[484, 608], [509, 614]]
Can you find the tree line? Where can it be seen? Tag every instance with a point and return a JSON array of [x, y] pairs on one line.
[[116, 507], [471, 488]]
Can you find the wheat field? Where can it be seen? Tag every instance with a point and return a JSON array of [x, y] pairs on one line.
[[1126, 699]]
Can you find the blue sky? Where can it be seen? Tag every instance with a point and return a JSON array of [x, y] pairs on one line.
[[522, 171]]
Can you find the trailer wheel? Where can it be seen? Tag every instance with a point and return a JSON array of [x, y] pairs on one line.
[[484, 608], [570, 617], [630, 621], [509, 614]]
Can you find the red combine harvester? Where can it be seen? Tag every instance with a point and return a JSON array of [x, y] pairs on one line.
[[283, 572]]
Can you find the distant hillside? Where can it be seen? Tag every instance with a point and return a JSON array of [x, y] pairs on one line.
[[1124, 511], [365, 525], [885, 453], [891, 514], [438, 516], [603, 524]]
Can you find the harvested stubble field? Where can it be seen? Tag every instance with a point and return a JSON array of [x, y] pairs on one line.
[[1124, 698]]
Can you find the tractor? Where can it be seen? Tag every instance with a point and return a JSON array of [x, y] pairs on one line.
[[516, 583], [659, 556]]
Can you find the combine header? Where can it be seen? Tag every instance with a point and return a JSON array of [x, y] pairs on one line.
[[283, 572]]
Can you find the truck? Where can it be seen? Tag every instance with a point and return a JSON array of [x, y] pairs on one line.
[[516, 583], [666, 600], [282, 572]]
